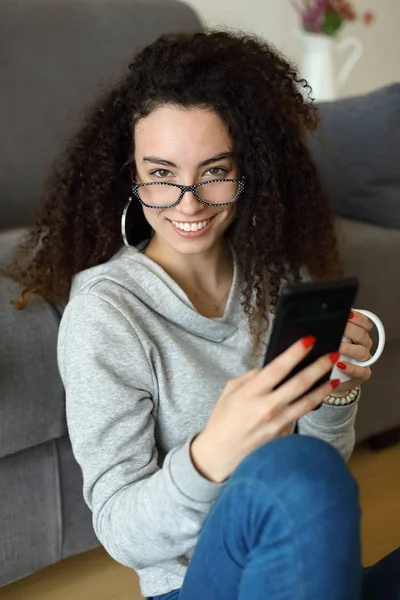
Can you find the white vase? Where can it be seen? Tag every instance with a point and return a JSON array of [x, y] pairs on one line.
[[318, 65]]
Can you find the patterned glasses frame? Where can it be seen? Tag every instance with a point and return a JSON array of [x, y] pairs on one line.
[[190, 188]]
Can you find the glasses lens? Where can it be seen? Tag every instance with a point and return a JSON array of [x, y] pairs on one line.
[[218, 192], [159, 195]]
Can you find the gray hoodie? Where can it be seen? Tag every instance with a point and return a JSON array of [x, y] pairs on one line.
[[142, 370]]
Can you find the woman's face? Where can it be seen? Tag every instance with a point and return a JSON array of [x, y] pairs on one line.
[[185, 146]]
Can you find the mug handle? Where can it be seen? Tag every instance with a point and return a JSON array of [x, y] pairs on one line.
[[382, 339]]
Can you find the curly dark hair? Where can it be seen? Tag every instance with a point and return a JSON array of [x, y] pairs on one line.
[[283, 222]]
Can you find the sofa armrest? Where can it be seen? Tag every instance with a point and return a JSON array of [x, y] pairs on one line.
[[31, 391]]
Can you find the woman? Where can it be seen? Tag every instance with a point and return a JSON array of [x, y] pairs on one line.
[[183, 444]]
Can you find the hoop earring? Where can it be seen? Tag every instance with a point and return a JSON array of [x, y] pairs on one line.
[[123, 224]]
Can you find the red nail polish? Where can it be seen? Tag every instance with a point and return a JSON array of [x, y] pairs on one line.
[[334, 357], [341, 365], [352, 315], [335, 383], [309, 341]]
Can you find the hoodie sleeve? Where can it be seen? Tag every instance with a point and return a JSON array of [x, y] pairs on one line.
[[142, 514], [333, 424]]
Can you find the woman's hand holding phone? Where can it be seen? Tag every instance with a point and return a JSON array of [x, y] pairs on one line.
[[252, 410]]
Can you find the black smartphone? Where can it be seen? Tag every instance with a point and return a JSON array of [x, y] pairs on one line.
[[318, 308]]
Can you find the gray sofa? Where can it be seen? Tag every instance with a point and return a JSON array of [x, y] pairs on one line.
[[54, 53]]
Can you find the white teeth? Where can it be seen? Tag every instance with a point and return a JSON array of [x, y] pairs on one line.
[[191, 226]]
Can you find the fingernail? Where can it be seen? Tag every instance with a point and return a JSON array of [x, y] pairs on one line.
[[352, 315], [334, 357], [335, 383], [341, 365], [309, 341]]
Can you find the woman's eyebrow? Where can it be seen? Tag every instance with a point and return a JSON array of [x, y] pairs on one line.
[[157, 160], [214, 159]]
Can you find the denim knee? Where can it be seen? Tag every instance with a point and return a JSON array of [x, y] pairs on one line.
[[310, 467]]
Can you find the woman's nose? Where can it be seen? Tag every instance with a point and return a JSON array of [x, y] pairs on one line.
[[189, 204]]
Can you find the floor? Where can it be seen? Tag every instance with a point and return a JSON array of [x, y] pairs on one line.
[[95, 576]]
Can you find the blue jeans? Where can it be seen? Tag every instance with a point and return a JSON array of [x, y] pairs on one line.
[[286, 526]]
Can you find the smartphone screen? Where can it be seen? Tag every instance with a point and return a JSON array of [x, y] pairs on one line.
[[319, 308]]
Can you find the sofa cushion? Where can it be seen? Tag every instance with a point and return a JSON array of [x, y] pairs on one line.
[[356, 151], [371, 253], [31, 392], [31, 523]]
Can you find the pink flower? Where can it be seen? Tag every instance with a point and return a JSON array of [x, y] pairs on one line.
[[368, 17], [346, 9], [321, 5], [319, 16]]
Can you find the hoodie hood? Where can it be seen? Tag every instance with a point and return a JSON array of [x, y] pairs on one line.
[[142, 280]]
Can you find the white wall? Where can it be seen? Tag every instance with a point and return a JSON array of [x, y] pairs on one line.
[[276, 20]]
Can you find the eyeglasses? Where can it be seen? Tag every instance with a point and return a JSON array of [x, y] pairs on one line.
[[217, 192]]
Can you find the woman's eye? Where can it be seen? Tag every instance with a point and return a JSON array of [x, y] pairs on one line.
[[217, 171], [161, 173]]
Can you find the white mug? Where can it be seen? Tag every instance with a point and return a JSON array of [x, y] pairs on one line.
[[338, 373]]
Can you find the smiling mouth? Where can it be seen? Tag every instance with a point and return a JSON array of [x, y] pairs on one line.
[[193, 226]]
